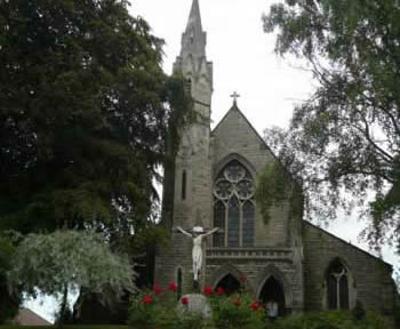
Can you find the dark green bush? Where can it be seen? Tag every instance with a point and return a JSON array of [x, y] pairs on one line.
[[9, 302], [237, 312], [330, 320]]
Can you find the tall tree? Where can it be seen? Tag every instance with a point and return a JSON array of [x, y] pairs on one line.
[[85, 109], [9, 301], [346, 137]]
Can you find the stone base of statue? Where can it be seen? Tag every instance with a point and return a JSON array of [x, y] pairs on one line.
[[195, 304]]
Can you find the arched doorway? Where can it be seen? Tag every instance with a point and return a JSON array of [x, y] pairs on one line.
[[229, 283], [272, 291]]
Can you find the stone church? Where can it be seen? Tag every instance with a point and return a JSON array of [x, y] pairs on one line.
[[288, 260]]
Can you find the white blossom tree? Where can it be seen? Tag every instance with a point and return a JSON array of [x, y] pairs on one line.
[[65, 261]]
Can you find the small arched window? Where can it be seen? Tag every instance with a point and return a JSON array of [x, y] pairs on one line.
[[184, 182], [234, 209], [337, 283]]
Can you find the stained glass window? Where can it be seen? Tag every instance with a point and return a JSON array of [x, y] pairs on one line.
[[234, 209], [248, 224], [233, 222], [219, 221]]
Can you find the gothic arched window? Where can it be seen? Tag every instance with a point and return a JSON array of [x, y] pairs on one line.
[[234, 209], [337, 282]]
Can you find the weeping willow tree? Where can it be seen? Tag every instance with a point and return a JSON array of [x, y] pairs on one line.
[[64, 262]]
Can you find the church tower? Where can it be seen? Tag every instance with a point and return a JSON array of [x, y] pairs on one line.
[[192, 199], [192, 170]]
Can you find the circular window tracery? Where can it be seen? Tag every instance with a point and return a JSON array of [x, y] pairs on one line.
[[235, 179], [234, 209]]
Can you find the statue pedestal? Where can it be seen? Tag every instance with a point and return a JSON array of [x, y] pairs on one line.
[[195, 304]]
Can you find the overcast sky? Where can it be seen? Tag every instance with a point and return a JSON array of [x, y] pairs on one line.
[[244, 61]]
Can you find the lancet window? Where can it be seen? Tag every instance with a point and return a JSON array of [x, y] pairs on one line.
[[234, 207], [337, 281]]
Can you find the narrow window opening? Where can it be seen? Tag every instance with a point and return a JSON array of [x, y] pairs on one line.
[[179, 283], [184, 179]]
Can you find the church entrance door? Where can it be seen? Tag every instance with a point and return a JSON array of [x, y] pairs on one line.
[[272, 291], [229, 283]]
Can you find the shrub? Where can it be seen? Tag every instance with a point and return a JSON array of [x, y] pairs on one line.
[[191, 321], [158, 309], [9, 301], [330, 320], [237, 311], [358, 311]]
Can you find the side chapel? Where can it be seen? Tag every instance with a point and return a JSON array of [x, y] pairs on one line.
[[288, 260]]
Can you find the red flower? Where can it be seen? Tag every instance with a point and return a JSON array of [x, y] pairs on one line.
[[185, 301], [220, 291], [147, 299], [237, 302], [256, 305], [208, 291], [157, 289], [172, 286]]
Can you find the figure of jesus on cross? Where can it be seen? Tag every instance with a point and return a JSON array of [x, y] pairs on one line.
[[197, 252]]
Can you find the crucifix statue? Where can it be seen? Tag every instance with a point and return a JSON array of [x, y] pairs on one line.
[[235, 96], [197, 236]]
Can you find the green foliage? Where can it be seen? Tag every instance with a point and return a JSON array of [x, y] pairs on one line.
[[150, 310], [346, 137], [191, 321], [235, 312], [62, 261], [275, 186], [85, 116], [359, 311], [397, 312], [9, 302], [329, 320]]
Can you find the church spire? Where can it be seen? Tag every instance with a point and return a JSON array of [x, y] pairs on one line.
[[194, 17], [194, 38]]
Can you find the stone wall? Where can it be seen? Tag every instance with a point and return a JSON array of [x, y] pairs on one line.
[[234, 137], [371, 278], [256, 268]]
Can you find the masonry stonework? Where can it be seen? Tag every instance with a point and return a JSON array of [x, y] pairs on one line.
[[292, 252]]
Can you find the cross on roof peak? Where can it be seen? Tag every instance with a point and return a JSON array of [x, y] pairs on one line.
[[235, 97]]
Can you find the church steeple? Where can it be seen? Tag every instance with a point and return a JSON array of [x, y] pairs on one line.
[[193, 64], [194, 17], [194, 38]]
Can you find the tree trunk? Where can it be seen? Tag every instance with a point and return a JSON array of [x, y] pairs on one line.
[[64, 305]]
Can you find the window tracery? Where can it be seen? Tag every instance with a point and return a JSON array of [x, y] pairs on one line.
[[234, 209], [337, 286]]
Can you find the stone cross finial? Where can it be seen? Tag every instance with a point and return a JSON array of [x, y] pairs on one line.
[[235, 96]]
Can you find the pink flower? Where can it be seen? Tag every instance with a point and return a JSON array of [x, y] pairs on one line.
[[157, 289], [147, 299], [220, 291], [185, 301], [172, 286], [208, 291]]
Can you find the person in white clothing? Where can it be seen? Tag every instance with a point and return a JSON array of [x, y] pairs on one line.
[[272, 309]]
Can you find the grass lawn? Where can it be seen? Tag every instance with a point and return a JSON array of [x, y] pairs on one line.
[[66, 327]]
